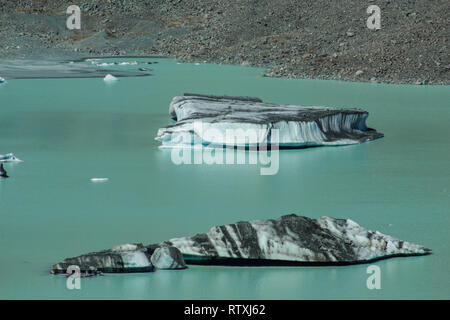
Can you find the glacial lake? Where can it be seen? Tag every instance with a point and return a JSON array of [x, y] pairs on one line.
[[68, 131]]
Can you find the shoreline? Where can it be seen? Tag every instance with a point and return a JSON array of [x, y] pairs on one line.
[[314, 40], [269, 73], [67, 60]]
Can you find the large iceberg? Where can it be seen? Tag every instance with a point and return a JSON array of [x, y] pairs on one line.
[[207, 120], [288, 240], [292, 239]]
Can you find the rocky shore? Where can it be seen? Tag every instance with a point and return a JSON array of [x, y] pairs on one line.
[[297, 39]]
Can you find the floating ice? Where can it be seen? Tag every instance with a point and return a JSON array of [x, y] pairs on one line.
[[99, 179], [297, 126], [127, 258], [2, 80], [295, 239], [288, 240], [110, 78], [9, 157], [105, 64], [131, 63], [3, 173]]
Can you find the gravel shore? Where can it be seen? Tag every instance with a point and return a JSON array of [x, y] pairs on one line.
[[315, 39]]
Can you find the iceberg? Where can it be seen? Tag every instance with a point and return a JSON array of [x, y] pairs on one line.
[[2, 80], [131, 63], [298, 126], [105, 64], [99, 179], [110, 78], [3, 173], [9, 157], [292, 239], [288, 240], [125, 258]]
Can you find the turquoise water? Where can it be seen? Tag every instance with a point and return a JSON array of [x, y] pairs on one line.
[[70, 130]]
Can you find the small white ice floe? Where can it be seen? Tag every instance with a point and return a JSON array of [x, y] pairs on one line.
[[109, 78], [197, 64], [2, 80], [131, 63], [9, 157], [105, 64], [99, 179], [92, 61]]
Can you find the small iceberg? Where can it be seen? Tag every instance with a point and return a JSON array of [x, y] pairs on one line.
[[3, 173], [9, 157], [2, 80], [105, 64], [99, 179], [130, 63], [126, 258], [110, 78]]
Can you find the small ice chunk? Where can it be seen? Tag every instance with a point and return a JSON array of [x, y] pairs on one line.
[[105, 64], [2, 80], [110, 77], [132, 63], [99, 179], [9, 157]]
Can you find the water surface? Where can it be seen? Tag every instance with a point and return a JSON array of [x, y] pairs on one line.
[[70, 130]]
